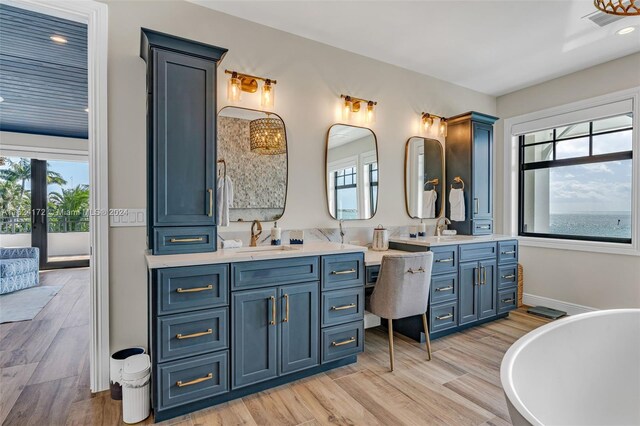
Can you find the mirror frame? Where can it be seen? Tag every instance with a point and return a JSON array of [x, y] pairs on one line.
[[326, 169], [286, 158], [442, 179]]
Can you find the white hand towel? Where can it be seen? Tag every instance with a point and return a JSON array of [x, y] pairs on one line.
[[456, 202], [224, 198], [232, 244], [429, 198]]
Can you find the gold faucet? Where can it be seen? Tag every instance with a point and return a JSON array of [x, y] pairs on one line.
[[256, 230], [439, 227]]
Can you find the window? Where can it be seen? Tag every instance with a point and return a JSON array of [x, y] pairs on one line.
[[373, 186], [346, 193], [576, 181]]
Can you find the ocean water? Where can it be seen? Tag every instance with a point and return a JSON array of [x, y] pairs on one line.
[[593, 224]]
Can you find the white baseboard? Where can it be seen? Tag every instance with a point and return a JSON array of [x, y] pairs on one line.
[[569, 308]]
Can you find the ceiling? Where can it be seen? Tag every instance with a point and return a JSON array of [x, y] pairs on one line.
[[494, 47], [342, 134], [43, 83]]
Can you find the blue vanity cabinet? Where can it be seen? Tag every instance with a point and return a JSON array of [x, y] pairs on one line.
[[181, 111], [507, 298], [300, 327], [469, 155]]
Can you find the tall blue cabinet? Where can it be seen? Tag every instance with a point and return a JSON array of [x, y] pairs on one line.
[[181, 133]]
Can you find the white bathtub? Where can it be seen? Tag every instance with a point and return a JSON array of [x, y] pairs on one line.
[[580, 370]]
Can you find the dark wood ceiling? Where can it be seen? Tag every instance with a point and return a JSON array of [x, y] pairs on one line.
[[43, 83]]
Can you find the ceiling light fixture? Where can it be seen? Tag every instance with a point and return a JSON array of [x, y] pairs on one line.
[[1, 99], [267, 136], [58, 39], [86, 110], [625, 30], [353, 105], [240, 82], [618, 7]]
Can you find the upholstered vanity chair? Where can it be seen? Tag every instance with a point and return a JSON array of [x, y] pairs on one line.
[[402, 290]]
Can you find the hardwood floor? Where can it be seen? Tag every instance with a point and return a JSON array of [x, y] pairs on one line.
[[45, 377]]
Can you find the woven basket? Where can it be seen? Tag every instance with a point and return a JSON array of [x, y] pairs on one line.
[[520, 284]]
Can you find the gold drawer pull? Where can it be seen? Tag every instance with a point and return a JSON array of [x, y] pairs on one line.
[[342, 308], [509, 252], [210, 191], [186, 240], [286, 308], [344, 342], [420, 270], [273, 310], [508, 300], [447, 288], [195, 289], [444, 317], [509, 277], [449, 259], [483, 226], [196, 381], [349, 271], [191, 336]]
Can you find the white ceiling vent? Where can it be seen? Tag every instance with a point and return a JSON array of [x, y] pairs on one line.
[[602, 19]]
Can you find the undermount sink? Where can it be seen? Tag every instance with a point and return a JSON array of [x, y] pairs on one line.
[[264, 249]]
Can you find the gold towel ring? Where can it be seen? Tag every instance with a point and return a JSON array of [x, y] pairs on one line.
[[458, 179]]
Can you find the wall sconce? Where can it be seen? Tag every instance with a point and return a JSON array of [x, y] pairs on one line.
[[427, 120], [240, 82], [353, 105]]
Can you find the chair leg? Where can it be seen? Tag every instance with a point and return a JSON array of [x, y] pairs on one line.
[[391, 342], [426, 333]]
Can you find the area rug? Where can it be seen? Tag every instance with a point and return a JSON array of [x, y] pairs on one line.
[[25, 304]]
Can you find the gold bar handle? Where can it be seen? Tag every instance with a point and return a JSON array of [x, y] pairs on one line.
[[416, 271], [509, 252], [344, 342], [210, 202], [191, 336], [447, 260], [484, 275], [286, 308], [196, 381], [477, 205], [444, 317], [348, 271], [194, 290], [484, 227], [186, 240], [476, 272], [509, 277], [447, 288], [343, 307], [508, 300], [273, 311]]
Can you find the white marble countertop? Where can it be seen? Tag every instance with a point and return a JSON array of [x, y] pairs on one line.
[[447, 240], [247, 254], [372, 258]]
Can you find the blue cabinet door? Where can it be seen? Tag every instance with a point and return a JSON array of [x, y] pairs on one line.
[[254, 336], [482, 170], [184, 156], [468, 290], [300, 328], [487, 303]]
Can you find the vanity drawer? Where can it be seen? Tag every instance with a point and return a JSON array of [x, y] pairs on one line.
[[342, 340], [192, 379], [340, 306], [191, 334], [507, 276], [274, 272], [507, 300], [507, 251], [477, 251], [482, 227], [443, 317], [192, 287], [444, 288], [342, 270], [445, 260], [372, 274], [176, 240]]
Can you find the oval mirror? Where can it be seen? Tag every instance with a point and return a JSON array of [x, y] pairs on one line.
[[424, 178], [351, 172], [252, 166]]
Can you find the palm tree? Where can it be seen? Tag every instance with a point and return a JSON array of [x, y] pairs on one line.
[[72, 204], [13, 207], [20, 171]]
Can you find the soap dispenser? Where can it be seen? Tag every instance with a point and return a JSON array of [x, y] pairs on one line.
[[276, 239]]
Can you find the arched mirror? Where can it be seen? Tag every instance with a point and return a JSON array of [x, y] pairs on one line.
[[351, 172], [424, 178], [252, 166]]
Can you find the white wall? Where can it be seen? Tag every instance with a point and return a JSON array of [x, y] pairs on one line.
[[588, 279], [310, 75]]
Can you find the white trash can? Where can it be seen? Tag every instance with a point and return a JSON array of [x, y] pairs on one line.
[[115, 369], [136, 373]]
